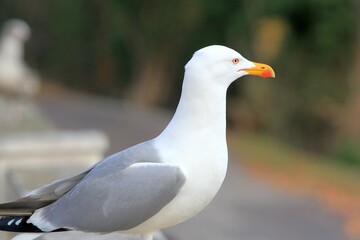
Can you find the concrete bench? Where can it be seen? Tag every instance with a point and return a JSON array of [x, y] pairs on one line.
[[23, 153]]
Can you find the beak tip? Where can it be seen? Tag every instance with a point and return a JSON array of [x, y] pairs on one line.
[[268, 73]]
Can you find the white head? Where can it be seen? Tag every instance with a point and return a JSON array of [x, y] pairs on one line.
[[224, 65], [17, 29]]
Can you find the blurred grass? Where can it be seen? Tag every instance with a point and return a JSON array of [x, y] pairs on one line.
[[297, 171], [265, 151]]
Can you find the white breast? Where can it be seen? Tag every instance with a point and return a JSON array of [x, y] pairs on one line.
[[204, 166], [195, 141]]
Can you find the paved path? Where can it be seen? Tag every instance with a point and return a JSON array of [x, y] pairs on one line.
[[244, 209]]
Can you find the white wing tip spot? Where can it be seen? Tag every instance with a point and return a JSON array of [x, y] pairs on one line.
[[10, 222], [18, 222]]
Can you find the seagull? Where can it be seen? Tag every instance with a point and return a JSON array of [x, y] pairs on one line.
[[15, 76], [18, 82], [155, 184]]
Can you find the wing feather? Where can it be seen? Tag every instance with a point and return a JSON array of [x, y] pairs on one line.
[[118, 193], [40, 197], [117, 200]]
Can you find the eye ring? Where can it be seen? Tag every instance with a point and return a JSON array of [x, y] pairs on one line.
[[235, 60]]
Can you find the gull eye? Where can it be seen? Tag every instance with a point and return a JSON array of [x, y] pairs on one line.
[[235, 61]]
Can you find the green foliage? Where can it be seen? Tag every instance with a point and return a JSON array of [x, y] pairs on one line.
[[311, 67], [348, 152]]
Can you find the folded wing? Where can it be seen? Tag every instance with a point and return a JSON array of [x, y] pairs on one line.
[[109, 200]]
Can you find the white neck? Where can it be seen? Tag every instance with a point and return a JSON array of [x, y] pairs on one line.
[[202, 110], [11, 49]]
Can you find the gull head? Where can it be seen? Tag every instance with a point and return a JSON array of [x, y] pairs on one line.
[[17, 29], [224, 65]]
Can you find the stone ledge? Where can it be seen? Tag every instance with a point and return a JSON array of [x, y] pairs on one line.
[[52, 142]]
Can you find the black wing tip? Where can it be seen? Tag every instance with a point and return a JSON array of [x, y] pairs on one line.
[[20, 224], [17, 224]]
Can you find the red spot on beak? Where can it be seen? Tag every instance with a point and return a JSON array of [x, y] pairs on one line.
[[260, 69], [266, 74]]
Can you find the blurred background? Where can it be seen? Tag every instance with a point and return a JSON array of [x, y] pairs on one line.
[[299, 132], [137, 49]]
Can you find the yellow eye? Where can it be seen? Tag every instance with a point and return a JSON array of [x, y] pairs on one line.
[[235, 61]]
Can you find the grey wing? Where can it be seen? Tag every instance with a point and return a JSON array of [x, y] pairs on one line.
[[110, 200], [40, 197], [58, 188], [50, 193]]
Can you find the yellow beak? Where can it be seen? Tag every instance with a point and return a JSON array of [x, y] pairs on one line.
[[260, 69]]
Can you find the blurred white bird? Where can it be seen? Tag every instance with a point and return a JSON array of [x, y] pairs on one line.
[[16, 78], [18, 83]]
